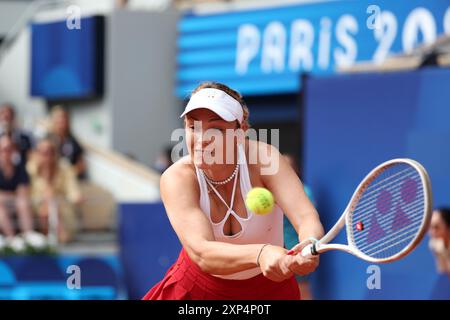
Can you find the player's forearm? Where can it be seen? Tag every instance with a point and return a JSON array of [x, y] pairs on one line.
[[310, 226], [223, 258]]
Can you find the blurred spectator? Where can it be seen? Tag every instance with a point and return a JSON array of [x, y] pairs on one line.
[[164, 160], [54, 189], [291, 236], [440, 246], [19, 137], [14, 192], [440, 239], [121, 3], [68, 146]]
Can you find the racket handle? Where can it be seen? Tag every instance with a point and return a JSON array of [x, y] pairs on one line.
[[307, 251]]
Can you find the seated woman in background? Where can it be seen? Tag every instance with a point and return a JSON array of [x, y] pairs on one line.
[[54, 190], [14, 192], [67, 145], [21, 139]]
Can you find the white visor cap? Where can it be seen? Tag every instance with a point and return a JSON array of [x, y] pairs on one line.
[[218, 101]]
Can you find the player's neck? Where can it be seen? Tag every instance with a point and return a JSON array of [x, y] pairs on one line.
[[220, 172]]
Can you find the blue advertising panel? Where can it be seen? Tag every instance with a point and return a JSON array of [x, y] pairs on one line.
[[263, 51]]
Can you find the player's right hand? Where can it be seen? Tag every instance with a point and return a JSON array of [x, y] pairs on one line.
[[273, 264]]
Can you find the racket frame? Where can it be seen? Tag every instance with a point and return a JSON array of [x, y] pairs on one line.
[[345, 220]]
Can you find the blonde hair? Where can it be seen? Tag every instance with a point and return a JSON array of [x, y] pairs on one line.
[[236, 95], [52, 141], [58, 109]]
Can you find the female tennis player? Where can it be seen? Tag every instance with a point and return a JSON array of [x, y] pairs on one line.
[[229, 252]]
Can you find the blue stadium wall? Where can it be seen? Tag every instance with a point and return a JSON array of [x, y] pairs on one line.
[[354, 122]]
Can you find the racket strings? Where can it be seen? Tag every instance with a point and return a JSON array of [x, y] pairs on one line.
[[385, 218], [399, 239], [399, 236], [390, 209], [371, 196], [373, 184], [385, 225], [363, 210]]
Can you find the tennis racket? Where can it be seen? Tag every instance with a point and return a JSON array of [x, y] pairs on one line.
[[387, 216]]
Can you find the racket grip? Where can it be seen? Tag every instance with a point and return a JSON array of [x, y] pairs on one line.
[[307, 251]]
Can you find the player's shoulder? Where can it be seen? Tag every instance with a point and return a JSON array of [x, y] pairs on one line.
[[179, 174]]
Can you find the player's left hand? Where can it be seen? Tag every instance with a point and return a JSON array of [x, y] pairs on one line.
[[301, 265]]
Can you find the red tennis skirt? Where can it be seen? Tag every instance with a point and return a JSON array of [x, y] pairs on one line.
[[186, 281]]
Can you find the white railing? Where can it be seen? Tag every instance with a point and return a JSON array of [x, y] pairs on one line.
[[126, 179]]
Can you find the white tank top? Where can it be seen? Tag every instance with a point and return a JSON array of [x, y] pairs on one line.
[[255, 229]]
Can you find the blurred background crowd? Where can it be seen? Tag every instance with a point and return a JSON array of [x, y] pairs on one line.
[[42, 180]]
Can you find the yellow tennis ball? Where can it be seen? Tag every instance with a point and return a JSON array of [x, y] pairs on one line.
[[259, 201]]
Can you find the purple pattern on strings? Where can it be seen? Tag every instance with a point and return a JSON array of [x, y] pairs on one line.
[[391, 210]]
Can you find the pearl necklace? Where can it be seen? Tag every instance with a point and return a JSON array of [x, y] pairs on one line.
[[223, 181]]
